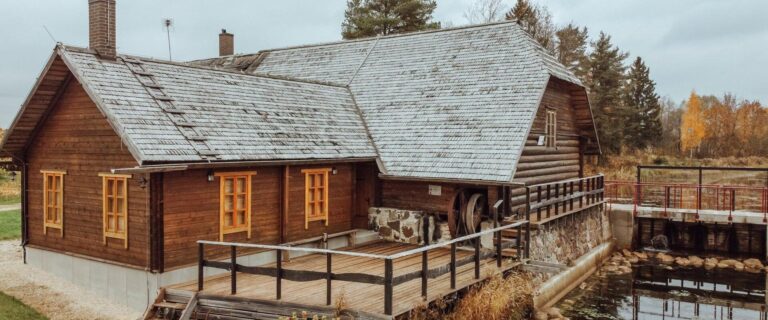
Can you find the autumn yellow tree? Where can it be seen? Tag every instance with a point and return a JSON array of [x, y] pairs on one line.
[[752, 128], [692, 126]]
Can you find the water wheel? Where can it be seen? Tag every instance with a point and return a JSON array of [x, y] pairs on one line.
[[456, 209], [474, 212]]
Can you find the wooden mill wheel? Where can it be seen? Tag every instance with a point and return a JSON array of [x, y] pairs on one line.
[[474, 212], [456, 209]]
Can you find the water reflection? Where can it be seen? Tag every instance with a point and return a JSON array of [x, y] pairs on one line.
[[654, 292]]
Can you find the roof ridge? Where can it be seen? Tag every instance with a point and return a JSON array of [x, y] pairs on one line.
[[196, 66], [389, 36]]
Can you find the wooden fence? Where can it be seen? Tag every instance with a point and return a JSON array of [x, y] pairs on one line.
[[388, 280], [550, 200]]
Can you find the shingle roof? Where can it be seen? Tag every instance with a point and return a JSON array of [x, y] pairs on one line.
[[168, 112], [449, 104], [452, 104]]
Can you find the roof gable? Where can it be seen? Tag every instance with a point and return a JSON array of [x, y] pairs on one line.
[[168, 112], [451, 104]]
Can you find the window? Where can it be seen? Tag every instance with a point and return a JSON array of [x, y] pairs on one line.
[[550, 131], [53, 200], [235, 203], [115, 206], [316, 195]]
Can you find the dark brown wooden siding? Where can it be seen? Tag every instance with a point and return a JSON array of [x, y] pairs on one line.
[[412, 195], [76, 138], [540, 164], [191, 209]]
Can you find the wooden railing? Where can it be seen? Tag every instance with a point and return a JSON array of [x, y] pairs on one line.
[[549, 200], [388, 280]]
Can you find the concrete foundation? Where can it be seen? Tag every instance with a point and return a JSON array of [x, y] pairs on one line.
[[136, 288], [622, 228]]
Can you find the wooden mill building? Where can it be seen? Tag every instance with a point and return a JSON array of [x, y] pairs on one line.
[[128, 161]]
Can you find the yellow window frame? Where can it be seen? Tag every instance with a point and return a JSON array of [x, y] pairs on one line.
[[315, 195], [550, 129], [119, 210], [231, 196], [53, 200]]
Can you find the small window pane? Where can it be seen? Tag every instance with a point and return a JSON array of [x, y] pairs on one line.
[[228, 219], [110, 205], [110, 222], [120, 188], [240, 185], [119, 207], [228, 203], [110, 186], [241, 217], [120, 224]]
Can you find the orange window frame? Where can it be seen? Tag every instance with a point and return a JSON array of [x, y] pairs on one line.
[[235, 203], [115, 206], [315, 195], [550, 129], [53, 200]]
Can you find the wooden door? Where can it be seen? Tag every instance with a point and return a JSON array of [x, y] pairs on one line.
[[365, 180]]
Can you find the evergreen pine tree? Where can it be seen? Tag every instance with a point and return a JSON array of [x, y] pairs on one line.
[[535, 20], [368, 18], [643, 121], [605, 90], [571, 49]]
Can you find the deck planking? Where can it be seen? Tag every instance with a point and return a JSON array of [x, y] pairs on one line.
[[358, 296]]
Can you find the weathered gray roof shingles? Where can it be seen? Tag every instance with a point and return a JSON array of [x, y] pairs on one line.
[[455, 104], [243, 117], [449, 104]]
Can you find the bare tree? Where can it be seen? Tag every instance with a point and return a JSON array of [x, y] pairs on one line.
[[485, 11]]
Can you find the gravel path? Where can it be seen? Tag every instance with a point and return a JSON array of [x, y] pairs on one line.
[[9, 207], [52, 296]]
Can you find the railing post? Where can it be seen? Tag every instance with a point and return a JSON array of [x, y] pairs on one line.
[[328, 274], [538, 199], [477, 258], [519, 243], [581, 190], [498, 247], [279, 275], [528, 240], [453, 265], [388, 273], [571, 195], [424, 269], [200, 266], [549, 192], [233, 268], [557, 195]]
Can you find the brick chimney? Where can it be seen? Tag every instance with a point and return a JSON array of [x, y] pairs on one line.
[[226, 43], [101, 28]]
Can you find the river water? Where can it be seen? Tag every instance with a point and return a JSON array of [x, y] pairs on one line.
[[660, 292]]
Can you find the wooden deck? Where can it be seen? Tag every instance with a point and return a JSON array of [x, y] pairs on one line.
[[367, 298]]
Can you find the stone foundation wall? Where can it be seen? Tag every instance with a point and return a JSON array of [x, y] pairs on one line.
[[405, 226], [566, 239]]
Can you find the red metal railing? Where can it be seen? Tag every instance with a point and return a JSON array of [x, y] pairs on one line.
[[688, 196]]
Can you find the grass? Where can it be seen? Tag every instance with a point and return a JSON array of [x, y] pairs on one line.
[[10, 226], [10, 190], [624, 166], [12, 309]]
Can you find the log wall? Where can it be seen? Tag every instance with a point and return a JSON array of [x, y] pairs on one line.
[[540, 164], [76, 137], [191, 209]]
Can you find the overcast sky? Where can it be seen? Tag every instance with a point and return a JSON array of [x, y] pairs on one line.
[[712, 46]]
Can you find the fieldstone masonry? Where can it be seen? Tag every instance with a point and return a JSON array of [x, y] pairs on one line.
[[404, 226], [566, 239]]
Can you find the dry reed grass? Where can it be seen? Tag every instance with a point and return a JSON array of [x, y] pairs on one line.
[[623, 166], [500, 297]]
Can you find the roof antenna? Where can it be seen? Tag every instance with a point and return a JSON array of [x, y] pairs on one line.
[[168, 22], [49, 34]]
